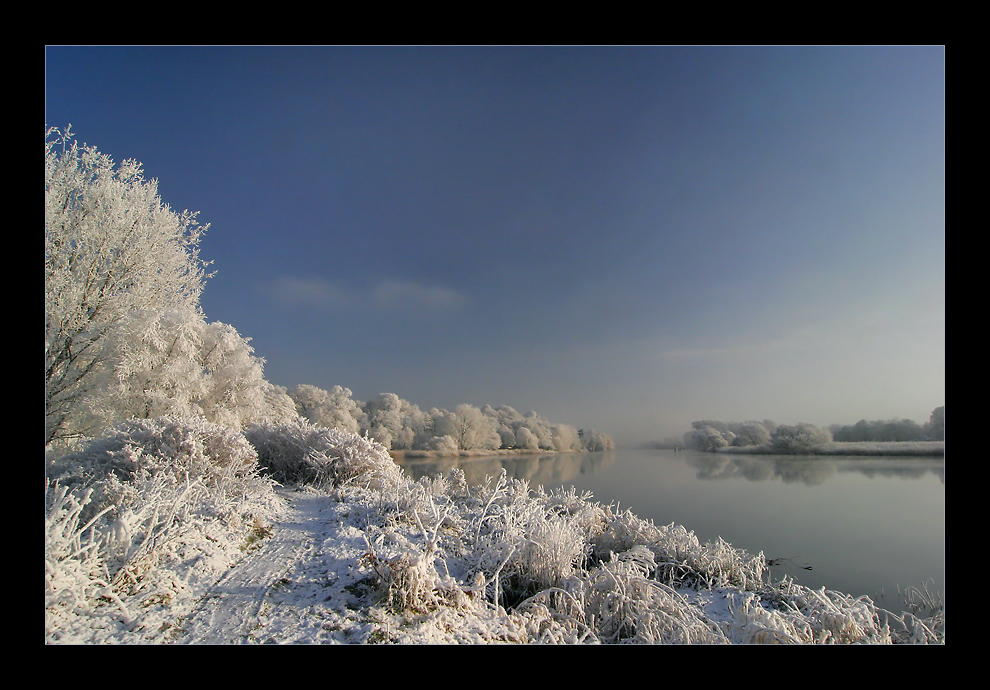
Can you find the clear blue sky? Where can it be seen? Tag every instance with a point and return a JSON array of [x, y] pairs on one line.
[[620, 238]]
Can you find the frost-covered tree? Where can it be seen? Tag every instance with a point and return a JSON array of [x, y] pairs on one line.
[[595, 441], [707, 438], [525, 438], [468, 426], [333, 409], [540, 428], [799, 438], [565, 438], [935, 428], [175, 363], [889, 430], [394, 422], [279, 407], [750, 434], [112, 247]]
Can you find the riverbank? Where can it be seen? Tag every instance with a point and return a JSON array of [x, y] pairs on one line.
[[319, 537]]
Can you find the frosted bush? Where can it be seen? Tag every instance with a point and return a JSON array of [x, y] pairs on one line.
[[299, 452], [791, 614], [625, 605], [134, 514], [412, 583], [548, 547], [185, 449], [622, 531], [681, 558], [75, 559]]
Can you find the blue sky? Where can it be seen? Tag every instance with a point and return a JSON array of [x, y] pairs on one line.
[[624, 238]]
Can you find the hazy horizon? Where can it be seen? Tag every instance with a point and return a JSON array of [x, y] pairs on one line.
[[628, 239]]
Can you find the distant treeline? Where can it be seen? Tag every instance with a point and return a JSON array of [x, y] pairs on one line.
[[400, 425], [892, 429], [710, 434]]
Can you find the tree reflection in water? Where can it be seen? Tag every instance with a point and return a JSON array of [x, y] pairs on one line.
[[538, 469]]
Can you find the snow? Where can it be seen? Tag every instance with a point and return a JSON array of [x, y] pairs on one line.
[[375, 557]]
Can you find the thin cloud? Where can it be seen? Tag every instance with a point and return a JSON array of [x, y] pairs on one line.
[[389, 295], [314, 292], [408, 295]]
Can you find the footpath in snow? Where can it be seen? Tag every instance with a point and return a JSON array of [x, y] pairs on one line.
[[297, 585]]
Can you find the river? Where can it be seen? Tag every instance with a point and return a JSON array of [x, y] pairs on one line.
[[858, 525]]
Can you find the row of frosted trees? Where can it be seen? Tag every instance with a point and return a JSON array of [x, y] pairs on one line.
[[710, 434], [400, 425]]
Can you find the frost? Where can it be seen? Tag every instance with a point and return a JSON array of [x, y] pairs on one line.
[[359, 553]]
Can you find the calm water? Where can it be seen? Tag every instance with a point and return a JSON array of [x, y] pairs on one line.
[[862, 525]]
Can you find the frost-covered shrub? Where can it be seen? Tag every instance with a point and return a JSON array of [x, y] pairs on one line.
[[550, 547], [186, 449], [681, 558], [527, 542], [621, 532], [787, 613], [75, 549], [299, 452]]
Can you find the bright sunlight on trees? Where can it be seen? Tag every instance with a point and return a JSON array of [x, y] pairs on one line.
[[111, 248], [125, 336]]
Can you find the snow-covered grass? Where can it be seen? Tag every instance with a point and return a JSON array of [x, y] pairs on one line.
[[175, 531], [142, 516]]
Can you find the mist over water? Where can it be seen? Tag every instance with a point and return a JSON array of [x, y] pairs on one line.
[[864, 526]]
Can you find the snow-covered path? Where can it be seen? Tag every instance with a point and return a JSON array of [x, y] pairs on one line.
[[294, 587]]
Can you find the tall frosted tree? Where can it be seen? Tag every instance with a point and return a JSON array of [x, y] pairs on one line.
[[112, 248]]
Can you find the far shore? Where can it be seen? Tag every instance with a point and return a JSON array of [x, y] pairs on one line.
[[873, 448]]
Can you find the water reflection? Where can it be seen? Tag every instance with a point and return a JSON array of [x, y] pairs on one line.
[[804, 470], [546, 470], [865, 524]]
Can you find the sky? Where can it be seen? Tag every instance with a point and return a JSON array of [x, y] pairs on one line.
[[622, 238]]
